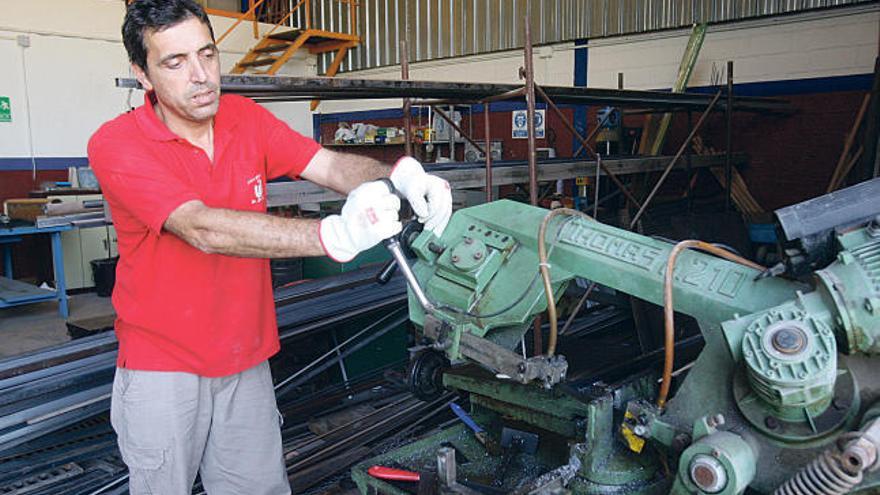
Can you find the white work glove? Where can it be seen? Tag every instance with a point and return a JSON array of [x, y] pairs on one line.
[[429, 195], [370, 214]]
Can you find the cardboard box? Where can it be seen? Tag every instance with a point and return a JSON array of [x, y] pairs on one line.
[[24, 209]]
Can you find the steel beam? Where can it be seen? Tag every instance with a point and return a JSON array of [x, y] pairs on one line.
[[286, 88]]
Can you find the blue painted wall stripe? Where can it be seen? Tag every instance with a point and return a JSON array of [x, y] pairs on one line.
[[581, 61], [43, 163]]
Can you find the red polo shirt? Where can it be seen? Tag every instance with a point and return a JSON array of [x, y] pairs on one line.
[[179, 309]]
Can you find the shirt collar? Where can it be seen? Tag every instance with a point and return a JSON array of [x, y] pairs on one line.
[[156, 130]]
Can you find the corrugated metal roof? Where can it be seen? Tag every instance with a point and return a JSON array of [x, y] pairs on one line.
[[451, 28]]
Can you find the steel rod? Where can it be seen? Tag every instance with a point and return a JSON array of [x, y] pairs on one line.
[[407, 104], [529, 73], [488, 152], [674, 160], [507, 95], [577, 308], [435, 102], [593, 133], [267, 88], [690, 154], [596, 187], [728, 167]]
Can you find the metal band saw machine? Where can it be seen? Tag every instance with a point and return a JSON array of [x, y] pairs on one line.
[[783, 396]]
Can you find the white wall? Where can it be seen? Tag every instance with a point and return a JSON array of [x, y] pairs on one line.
[[75, 55], [835, 43]]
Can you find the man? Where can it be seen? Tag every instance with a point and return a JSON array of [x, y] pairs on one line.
[[185, 176]]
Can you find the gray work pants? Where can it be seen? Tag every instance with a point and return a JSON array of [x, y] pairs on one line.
[[172, 425]]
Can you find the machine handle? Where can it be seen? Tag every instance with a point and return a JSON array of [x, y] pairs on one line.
[[398, 259], [387, 473], [386, 272], [389, 268]]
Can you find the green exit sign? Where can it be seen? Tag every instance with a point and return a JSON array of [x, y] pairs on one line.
[[5, 109]]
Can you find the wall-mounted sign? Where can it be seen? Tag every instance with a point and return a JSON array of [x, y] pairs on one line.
[[520, 124], [5, 109]]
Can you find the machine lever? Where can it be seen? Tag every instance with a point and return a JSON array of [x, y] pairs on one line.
[[398, 259], [386, 272], [396, 250]]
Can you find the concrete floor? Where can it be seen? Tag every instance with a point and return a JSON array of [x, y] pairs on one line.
[[34, 326]]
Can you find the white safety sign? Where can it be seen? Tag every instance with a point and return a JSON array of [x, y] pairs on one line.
[[520, 124]]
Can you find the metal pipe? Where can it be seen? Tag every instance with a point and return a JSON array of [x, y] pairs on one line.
[[592, 133], [455, 126], [675, 160], [340, 359], [728, 167], [394, 247], [110, 485], [279, 88], [67, 409], [596, 187], [407, 104], [452, 134], [529, 73], [487, 152], [567, 123], [690, 149], [507, 95], [437, 102]]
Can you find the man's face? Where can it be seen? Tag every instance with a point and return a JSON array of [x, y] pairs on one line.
[[183, 68]]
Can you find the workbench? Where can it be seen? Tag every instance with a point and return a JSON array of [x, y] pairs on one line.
[[16, 293]]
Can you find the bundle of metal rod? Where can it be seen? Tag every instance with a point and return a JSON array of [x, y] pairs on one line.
[[44, 400], [317, 457], [355, 343], [48, 390], [57, 355], [372, 413], [77, 460], [65, 390], [320, 311]]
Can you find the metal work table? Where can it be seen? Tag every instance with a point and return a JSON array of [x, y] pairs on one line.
[[15, 293]]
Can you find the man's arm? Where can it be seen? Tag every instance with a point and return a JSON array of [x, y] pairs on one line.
[[342, 172], [244, 233]]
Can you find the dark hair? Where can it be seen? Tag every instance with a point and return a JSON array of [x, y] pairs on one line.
[[156, 15]]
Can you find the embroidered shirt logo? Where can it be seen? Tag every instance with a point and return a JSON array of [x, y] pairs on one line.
[[257, 183]]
